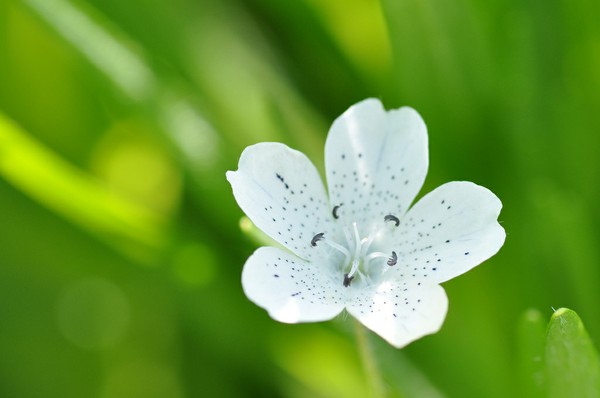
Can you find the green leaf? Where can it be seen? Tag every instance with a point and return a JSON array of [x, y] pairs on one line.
[[572, 363]]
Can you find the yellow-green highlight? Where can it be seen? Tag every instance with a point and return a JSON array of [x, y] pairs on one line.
[[77, 196]]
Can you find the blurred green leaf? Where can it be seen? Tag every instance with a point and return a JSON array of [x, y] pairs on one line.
[[530, 343], [572, 363], [402, 377], [324, 363], [571, 249]]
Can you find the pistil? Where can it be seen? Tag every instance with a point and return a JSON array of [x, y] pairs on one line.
[[359, 255], [357, 250]]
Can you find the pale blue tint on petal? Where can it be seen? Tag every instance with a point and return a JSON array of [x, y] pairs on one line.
[[290, 289], [376, 161], [400, 311], [449, 231], [281, 191]]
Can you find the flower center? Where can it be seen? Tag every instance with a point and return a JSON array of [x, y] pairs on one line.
[[358, 257]]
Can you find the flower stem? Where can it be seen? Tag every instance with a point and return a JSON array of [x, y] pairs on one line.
[[368, 360]]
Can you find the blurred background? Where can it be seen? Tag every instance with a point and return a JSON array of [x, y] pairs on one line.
[[120, 242]]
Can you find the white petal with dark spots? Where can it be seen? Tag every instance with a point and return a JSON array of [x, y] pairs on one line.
[[449, 231], [280, 190], [291, 289], [401, 311], [376, 161]]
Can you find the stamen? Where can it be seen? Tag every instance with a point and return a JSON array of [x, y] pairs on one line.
[[338, 247], [321, 237], [393, 260], [375, 255], [366, 243], [335, 209], [349, 240], [316, 238], [358, 245], [354, 267], [347, 280], [393, 218]]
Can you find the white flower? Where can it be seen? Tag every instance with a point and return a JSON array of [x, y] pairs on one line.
[[361, 248]]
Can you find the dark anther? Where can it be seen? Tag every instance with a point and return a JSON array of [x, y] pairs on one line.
[[395, 219], [335, 209], [392, 260], [347, 280], [316, 238]]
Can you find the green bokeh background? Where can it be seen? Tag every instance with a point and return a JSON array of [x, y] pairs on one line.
[[120, 242]]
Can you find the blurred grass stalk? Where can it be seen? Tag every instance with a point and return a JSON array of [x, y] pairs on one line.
[[109, 53], [122, 61], [77, 196], [238, 107], [253, 102]]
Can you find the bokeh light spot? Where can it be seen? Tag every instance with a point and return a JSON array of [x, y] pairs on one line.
[[93, 313], [132, 161]]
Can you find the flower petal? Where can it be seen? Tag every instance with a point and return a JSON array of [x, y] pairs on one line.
[[376, 161], [401, 311], [280, 190], [449, 231], [291, 289]]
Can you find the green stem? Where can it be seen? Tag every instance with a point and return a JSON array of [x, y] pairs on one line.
[[368, 360]]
